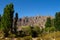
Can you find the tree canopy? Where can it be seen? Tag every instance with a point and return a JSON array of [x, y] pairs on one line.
[[57, 21], [48, 22], [7, 18]]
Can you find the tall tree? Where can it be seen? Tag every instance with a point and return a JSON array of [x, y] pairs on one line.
[[0, 17], [0, 20], [48, 22], [15, 23], [57, 21], [7, 18]]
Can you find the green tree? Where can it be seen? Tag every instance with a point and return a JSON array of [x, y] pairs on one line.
[[0, 17], [57, 21], [7, 19], [48, 25], [15, 23], [48, 22], [0, 20]]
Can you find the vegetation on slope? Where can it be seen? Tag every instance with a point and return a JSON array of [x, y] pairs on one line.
[[8, 27]]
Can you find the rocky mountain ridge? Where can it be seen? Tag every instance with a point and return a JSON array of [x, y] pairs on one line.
[[32, 21]]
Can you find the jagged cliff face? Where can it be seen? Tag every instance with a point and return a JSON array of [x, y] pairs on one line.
[[28, 21]]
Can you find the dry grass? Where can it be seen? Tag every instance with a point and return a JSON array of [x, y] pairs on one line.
[[51, 36]]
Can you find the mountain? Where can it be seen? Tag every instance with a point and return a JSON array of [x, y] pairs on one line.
[[32, 21]]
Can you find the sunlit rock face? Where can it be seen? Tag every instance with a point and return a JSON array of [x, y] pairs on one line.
[[36, 20]]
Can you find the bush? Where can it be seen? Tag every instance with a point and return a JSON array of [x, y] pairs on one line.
[[50, 29], [26, 30], [21, 34], [35, 31], [12, 35]]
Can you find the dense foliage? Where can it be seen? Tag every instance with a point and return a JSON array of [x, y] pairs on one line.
[[35, 31], [48, 22], [7, 18], [57, 21], [15, 23], [0, 20]]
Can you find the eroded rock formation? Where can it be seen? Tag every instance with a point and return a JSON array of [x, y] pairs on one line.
[[37, 20]]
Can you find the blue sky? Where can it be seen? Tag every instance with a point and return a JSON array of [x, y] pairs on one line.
[[32, 7]]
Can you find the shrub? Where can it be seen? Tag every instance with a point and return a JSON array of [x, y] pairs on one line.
[[12, 35], [50, 29], [35, 31], [26, 30], [21, 33]]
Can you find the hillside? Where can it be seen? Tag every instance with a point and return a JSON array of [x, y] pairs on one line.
[[32, 21]]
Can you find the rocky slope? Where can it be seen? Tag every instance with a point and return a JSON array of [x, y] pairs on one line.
[[37, 20]]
